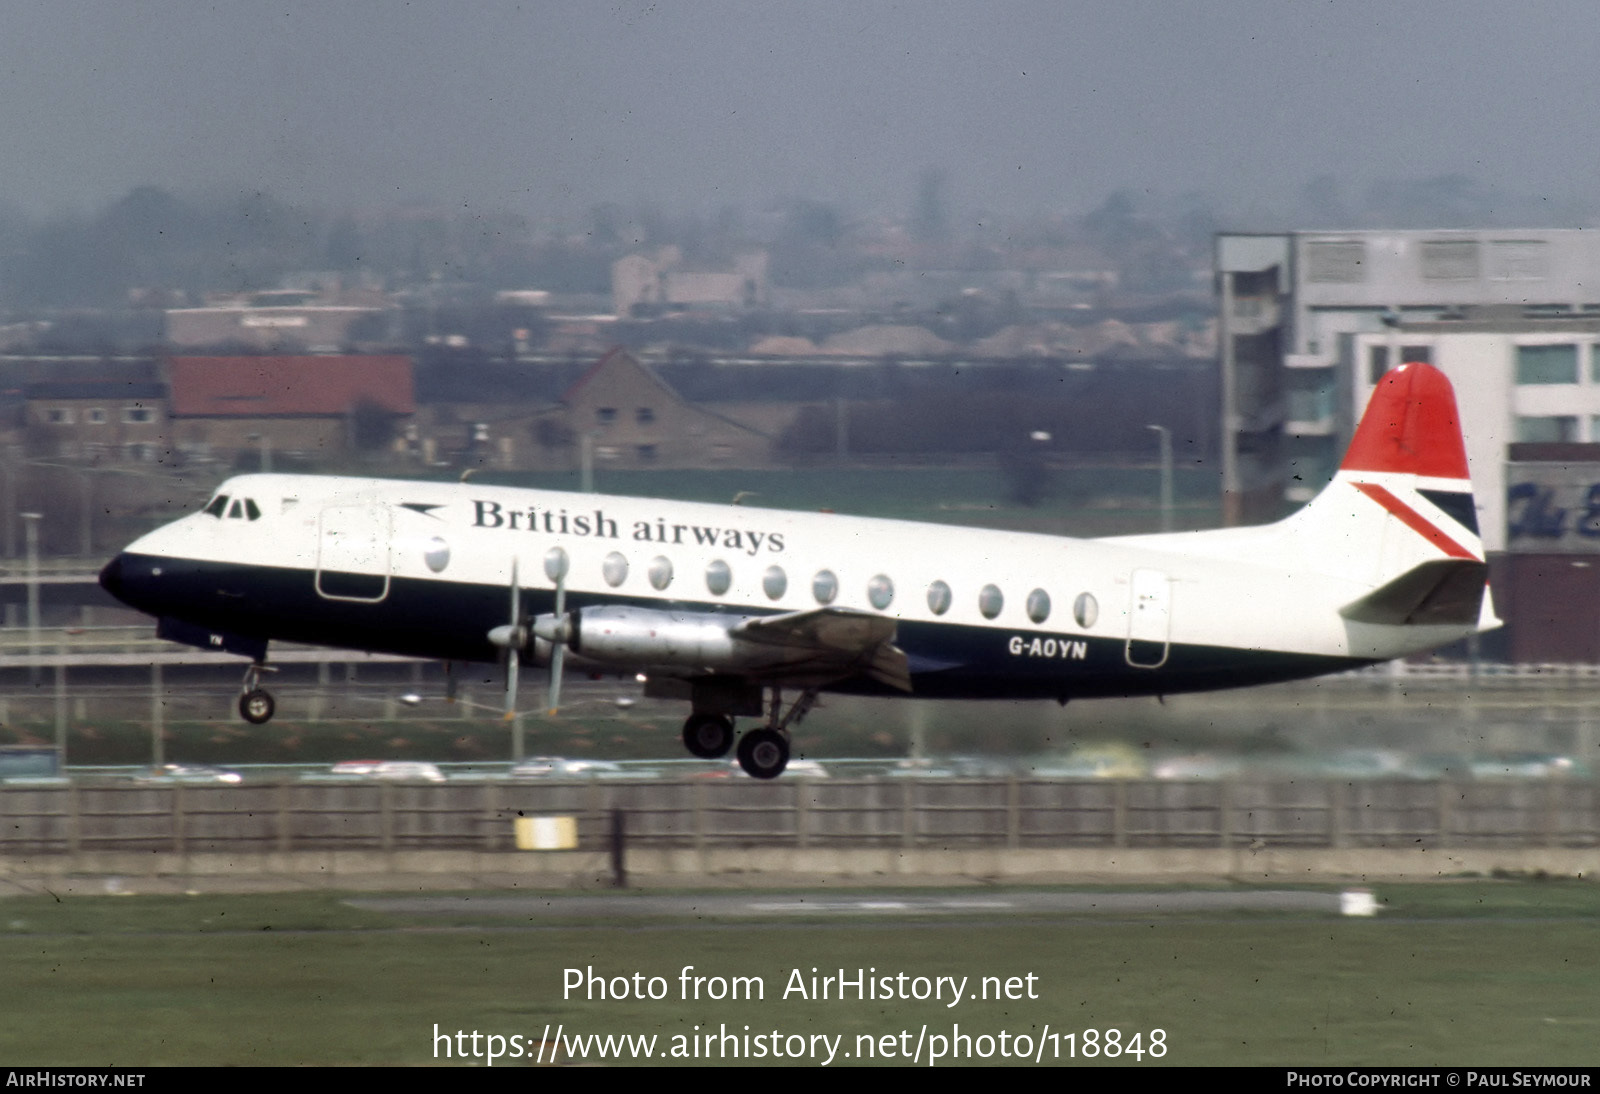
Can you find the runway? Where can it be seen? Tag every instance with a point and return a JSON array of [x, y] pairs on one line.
[[825, 905]]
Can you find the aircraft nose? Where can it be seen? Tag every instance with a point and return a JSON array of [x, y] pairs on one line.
[[111, 577]]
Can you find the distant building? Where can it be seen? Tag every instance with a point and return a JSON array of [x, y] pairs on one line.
[[632, 418], [1310, 321], [1307, 321], [314, 407], [664, 282], [96, 421], [288, 321]]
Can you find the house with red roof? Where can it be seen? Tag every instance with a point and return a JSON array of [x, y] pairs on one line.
[[315, 407]]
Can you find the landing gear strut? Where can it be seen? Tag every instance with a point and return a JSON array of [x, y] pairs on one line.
[[708, 736], [764, 753], [256, 704]]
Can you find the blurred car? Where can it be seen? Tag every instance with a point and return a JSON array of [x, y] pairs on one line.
[[555, 767], [190, 774], [408, 771], [1199, 765], [1525, 765], [355, 769], [1105, 761]]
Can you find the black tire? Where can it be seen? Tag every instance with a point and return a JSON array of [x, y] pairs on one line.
[[708, 736], [763, 753], [257, 707]]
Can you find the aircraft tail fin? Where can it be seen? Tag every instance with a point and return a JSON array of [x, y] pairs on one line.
[[1399, 515]]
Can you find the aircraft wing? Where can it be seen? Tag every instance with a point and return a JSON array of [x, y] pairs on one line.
[[855, 641]]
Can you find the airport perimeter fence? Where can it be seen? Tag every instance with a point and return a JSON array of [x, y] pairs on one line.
[[945, 813]]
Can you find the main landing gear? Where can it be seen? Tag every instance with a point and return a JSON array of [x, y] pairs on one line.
[[763, 753], [256, 704], [708, 736]]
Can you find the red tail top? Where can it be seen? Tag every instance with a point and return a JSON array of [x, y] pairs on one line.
[[1410, 426]]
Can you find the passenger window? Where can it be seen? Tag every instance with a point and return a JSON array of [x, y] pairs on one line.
[[614, 569], [775, 582], [437, 554], [990, 601], [1038, 605], [880, 592], [719, 578], [555, 564], [825, 586], [938, 598], [660, 571], [1085, 610]]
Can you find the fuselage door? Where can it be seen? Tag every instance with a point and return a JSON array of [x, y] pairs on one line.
[[353, 553], [1149, 619]]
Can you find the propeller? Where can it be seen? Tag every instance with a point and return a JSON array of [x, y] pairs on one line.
[[556, 629], [512, 637]]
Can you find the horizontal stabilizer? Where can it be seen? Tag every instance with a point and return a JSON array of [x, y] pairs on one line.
[[1445, 590]]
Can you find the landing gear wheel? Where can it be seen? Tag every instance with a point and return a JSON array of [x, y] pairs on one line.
[[708, 736], [763, 753], [256, 706]]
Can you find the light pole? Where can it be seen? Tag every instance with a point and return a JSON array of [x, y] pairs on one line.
[[31, 523], [1166, 475]]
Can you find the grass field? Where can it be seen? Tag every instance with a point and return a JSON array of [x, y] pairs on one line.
[[1472, 972]]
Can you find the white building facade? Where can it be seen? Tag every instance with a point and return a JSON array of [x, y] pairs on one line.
[[1309, 319]]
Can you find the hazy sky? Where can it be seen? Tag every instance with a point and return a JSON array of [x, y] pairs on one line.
[[553, 107]]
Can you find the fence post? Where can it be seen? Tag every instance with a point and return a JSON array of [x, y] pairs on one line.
[[701, 788], [1013, 812], [386, 816], [1337, 837], [285, 836], [74, 820], [491, 811], [177, 818], [1119, 813], [1225, 813], [908, 813], [802, 787]]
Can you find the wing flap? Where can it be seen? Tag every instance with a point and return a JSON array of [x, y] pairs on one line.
[[855, 641]]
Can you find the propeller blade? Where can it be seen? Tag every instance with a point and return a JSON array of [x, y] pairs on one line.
[[558, 651], [515, 643]]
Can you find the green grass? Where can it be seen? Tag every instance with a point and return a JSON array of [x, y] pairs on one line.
[[1451, 973]]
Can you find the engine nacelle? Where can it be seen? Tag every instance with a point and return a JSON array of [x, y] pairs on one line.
[[646, 637]]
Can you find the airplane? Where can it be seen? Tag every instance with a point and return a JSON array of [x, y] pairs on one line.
[[727, 607]]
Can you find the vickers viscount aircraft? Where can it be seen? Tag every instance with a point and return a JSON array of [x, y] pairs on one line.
[[724, 606]]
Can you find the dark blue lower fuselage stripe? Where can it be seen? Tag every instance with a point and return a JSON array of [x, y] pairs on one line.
[[447, 620]]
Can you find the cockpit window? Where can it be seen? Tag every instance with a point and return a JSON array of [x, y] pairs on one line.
[[241, 509]]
